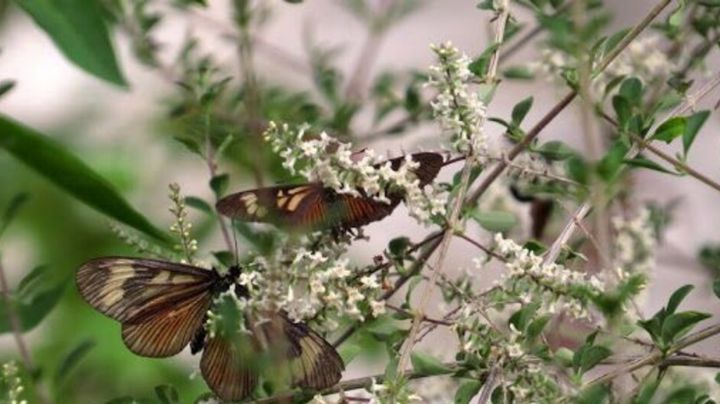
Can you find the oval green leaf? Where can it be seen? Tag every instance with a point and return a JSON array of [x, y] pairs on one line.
[[78, 29], [57, 164]]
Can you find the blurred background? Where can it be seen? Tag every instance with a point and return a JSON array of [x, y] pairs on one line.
[[127, 135]]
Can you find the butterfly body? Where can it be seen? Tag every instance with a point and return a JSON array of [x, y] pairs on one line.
[[163, 307], [312, 206]]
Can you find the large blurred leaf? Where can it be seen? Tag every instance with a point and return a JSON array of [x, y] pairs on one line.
[[78, 29], [31, 303], [68, 172]]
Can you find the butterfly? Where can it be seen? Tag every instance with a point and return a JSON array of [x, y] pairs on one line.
[[315, 207], [163, 307]]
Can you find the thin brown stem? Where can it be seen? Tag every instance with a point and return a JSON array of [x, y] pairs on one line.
[[455, 215], [656, 357], [560, 106], [359, 383]]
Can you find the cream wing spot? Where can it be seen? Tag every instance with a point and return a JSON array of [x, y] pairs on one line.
[[295, 202], [298, 189]]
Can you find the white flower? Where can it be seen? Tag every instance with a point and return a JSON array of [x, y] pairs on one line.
[[377, 307]]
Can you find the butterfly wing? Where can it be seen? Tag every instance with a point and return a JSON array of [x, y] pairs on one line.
[[429, 165], [283, 350], [311, 206], [160, 304], [313, 362], [225, 371], [284, 205]]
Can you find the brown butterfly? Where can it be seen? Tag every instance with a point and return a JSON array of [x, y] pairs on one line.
[[162, 307], [315, 207]]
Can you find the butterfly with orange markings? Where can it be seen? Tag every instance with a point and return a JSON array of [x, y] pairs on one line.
[[313, 206], [163, 307]]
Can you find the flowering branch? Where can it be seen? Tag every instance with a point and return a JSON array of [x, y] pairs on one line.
[[470, 140]]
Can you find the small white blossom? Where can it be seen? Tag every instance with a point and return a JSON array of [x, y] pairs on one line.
[[457, 108]]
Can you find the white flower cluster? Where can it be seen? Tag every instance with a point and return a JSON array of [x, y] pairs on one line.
[[457, 108], [553, 285], [182, 226], [12, 384], [334, 164], [395, 392], [307, 283], [635, 243], [642, 59], [522, 374]]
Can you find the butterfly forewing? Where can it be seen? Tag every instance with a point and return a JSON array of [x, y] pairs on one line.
[[160, 304], [313, 207]]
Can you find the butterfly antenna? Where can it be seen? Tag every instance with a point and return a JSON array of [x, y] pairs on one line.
[[455, 160], [235, 243]]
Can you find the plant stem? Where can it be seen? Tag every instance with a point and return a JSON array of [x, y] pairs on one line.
[[360, 383], [560, 106], [455, 215], [17, 332], [656, 357], [211, 160]]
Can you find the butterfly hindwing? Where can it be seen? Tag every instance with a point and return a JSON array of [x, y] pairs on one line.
[[313, 362], [225, 371], [160, 304]]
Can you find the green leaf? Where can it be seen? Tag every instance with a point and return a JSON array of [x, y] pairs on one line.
[[167, 394], [219, 184], [520, 110], [682, 395], [522, 317], [536, 327], [647, 391], [32, 281], [494, 220], [592, 356], [578, 169], [556, 150], [78, 29], [54, 162], [467, 390], [11, 211], [349, 351], [716, 287], [427, 365], [72, 359], [623, 110], [677, 297], [518, 73], [670, 129], [6, 86], [597, 394], [678, 324], [611, 162], [632, 90], [692, 126], [398, 246], [643, 162], [31, 309], [199, 204]]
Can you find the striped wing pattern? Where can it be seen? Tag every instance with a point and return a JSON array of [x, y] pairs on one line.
[[308, 360], [225, 371], [310, 206], [160, 304]]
